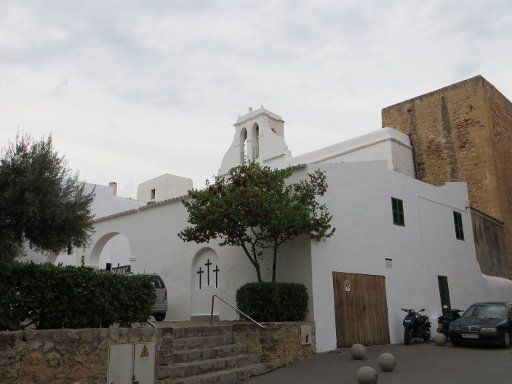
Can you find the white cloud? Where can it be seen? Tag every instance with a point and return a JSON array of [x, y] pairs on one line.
[[134, 89]]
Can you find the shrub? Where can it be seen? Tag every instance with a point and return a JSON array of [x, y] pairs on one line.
[[273, 301], [71, 297]]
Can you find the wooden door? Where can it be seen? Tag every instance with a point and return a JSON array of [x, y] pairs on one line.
[[361, 309]]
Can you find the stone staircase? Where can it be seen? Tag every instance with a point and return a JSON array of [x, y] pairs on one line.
[[210, 355]]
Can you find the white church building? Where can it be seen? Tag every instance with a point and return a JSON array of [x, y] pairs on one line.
[[397, 239]]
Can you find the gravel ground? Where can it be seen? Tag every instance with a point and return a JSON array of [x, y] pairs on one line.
[[417, 363]]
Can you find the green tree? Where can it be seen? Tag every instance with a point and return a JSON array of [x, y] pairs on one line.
[[254, 208], [42, 203]]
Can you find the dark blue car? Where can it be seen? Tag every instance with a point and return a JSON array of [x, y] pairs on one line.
[[483, 323]]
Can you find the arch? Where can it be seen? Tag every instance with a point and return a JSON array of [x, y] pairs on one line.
[[255, 134], [52, 258], [113, 247], [243, 145], [205, 281]]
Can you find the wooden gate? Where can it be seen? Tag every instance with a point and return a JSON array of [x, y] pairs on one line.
[[361, 309]]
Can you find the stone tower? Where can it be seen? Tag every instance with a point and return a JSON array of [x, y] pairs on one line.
[[463, 132]]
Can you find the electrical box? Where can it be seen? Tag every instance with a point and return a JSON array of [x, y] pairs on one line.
[[305, 334], [131, 363]]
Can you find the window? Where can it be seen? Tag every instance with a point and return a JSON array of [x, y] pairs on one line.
[[459, 231], [398, 211], [153, 194]]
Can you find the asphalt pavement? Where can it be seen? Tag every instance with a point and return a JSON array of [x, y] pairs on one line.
[[416, 363]]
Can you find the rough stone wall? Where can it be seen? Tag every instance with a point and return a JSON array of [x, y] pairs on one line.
[[62, 356], [500, 113], [278, 343], [463, 133], [491, 249], [80, 356]]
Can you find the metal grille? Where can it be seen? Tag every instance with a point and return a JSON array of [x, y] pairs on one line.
[[470, 328]]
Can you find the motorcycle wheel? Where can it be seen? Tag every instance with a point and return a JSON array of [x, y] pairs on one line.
[[407, 336], [426, 337]]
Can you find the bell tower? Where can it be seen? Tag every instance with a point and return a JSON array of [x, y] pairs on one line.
[[259, 136]]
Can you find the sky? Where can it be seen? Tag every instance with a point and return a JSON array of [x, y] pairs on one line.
[[131, 90]]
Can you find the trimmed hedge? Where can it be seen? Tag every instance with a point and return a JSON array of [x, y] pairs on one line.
[[273, 301], [71, 297]]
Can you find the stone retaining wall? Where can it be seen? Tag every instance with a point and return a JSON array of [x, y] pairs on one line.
[[62, 356], [278, 343], [80, 356]]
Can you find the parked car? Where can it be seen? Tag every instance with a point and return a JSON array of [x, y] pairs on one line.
[[483, 323], [160, 306]]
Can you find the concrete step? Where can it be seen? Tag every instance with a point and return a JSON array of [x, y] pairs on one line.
[[208, 353], [201, 330], [227, 376], [205, 366], [187, 343]]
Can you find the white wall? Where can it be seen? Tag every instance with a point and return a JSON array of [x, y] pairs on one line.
[[383, 144], [152, 234], [165, 187], [359, 197], [105, 203]]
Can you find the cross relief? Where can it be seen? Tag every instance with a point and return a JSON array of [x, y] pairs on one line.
[[200, 272]]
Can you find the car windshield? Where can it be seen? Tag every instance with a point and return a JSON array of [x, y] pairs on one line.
[[486, 311]]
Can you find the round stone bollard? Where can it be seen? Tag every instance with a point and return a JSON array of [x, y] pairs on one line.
[[358, 351], [386, 362], [440, 339], [366, 375]]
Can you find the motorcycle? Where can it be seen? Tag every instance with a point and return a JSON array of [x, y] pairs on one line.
[[443, 322], [416, 326]]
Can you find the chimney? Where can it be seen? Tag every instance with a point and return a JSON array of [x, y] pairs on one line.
[[113, 185]]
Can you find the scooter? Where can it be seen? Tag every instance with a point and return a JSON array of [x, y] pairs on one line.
[[416, 326], [443, 322]]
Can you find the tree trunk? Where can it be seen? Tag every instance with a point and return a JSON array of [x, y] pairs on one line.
[[258, 272], [274, 262], [254, 262]]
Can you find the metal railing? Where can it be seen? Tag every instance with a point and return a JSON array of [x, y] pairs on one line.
[[235, 308]]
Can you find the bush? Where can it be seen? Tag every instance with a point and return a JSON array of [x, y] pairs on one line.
[[71, 297], [273, 301]]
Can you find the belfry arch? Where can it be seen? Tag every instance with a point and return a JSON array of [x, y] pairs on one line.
[[255, 141]]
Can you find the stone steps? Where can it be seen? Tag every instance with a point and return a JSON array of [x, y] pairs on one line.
[[201, 367], [208, 353], [202, 330], [197, 342], [227, 376]]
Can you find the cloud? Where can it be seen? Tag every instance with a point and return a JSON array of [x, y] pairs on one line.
[[131, 90]]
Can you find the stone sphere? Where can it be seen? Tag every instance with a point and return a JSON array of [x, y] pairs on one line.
[[366, 375], [439, 339], [358, 351], [386, 362]]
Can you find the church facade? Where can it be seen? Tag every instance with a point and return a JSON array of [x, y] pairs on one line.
[[399, 243]]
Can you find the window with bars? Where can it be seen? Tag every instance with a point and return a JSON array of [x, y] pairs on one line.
[[459, 231], [397, 206]]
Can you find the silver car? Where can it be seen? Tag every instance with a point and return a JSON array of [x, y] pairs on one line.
[[160, 306]]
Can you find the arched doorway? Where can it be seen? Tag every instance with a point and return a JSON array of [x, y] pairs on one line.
[[114, 249], [206, 281]]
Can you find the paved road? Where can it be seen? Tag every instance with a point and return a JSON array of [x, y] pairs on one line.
[[417, 363]]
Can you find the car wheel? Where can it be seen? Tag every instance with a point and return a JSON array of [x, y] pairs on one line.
[[159, 316], [456, 343], [505, 340], [407, 336]]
